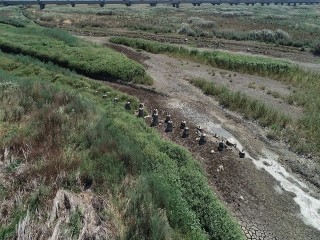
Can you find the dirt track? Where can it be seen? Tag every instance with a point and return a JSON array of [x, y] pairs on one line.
[[259, 202]]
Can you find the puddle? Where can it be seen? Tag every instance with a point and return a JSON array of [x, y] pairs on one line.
[[309, 206], [278, 189]]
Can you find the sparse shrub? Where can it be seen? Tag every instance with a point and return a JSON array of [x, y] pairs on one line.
[[186, 29], [228, 34], [201, 23], [105, 13], [17, 113], [169, 195], [71, 52], [267, 35], [194, 52], [247, 64], [280, 34], [75, 224], [146, 79], [274, 132], [316, 49], [231, 14], [277, 17]]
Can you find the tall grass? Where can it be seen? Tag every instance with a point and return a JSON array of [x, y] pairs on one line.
[[168, 195], [239, 102], [241, 63], [65, 50]]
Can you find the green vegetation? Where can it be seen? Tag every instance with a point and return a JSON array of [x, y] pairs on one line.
[[234, 62], [239, 102], [286, 25], [65, 50], [199, 27], [69, 127], [291, 26], [75, 224], [12, 16]]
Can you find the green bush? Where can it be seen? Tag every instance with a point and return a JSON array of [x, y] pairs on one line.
[[186, 29], [316, 49]]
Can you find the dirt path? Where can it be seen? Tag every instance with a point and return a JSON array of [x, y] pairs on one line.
[[266, 203], [302, 58], [271, 92], [267, 198]]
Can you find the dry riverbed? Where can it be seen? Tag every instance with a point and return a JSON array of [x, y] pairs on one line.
[[269, 192]]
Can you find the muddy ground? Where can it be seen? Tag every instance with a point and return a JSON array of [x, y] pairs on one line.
[[260, 203]]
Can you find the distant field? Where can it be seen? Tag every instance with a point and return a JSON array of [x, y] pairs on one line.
[[293, 26]]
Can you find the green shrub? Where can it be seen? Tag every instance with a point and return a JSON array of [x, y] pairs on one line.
[[186, 29], [316, 49], [75, 224]]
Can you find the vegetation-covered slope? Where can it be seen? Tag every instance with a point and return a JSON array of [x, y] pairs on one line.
[[65, 50], [59, 130], [54, 126]]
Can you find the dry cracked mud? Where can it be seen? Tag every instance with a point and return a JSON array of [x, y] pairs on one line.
[[262, 191]]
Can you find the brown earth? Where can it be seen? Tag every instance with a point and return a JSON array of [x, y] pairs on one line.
[[263, 209]]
